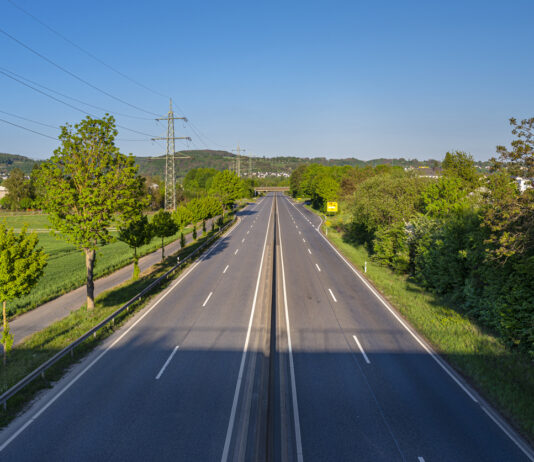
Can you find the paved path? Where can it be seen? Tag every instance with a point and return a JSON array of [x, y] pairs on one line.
[[44, 315]]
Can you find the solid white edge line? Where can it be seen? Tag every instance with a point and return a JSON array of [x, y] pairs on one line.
[[318, 267], [118, 339], [224, 271], [298, 438], [208, 297], [361, 349], [332, 293], [230, 429], [524, 447], [167, 362]]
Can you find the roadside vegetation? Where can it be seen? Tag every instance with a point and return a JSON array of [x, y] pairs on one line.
[[455, 255]]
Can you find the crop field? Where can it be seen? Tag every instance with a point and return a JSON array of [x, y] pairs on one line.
[[65, 270]]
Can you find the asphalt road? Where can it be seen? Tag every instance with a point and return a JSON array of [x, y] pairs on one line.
[[196, 375]]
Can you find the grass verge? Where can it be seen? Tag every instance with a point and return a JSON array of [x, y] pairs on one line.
[[41, 346], [504, 377]]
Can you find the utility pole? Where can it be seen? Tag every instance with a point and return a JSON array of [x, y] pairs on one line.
[[170, 173], [238, 160]]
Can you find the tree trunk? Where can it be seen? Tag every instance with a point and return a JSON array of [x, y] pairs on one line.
[[162, 250], [136, 265], [90, 255]]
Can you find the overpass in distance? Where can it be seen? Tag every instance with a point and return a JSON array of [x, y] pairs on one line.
[[269, 347], [265, 189]]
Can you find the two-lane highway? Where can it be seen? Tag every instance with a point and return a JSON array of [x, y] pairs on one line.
[[368, 388], [165, 387]]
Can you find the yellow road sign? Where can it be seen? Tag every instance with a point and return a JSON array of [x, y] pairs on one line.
[[331, 206]]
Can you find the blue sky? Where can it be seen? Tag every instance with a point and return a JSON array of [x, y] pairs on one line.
[[311, 78]]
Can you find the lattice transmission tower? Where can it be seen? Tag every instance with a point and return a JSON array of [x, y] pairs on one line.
[[170, 172]]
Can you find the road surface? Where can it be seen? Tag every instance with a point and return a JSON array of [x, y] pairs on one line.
[[270, 347]]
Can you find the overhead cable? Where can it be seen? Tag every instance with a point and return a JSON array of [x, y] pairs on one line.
[[72, 74]]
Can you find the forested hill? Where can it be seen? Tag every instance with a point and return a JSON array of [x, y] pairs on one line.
[[221, 160]]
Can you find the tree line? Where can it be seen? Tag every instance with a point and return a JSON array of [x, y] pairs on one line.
[[465, 236], [86, 187]]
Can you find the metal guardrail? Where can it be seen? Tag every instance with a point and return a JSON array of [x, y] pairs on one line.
[[70, 348]]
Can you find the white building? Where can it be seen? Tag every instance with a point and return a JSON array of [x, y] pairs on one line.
[[523, 183], [3, 192]]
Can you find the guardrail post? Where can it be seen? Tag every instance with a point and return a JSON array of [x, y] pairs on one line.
[[43, 375]]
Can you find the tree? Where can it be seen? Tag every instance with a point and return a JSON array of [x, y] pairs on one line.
[[87, 185], [182, 216], [182, 240], [136, 234], [461, 165], [163, 226], [227, 187], [21, 265], [19, 188], [326, 190], [519, 161]]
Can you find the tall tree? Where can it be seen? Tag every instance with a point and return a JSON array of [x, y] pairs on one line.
[[163, 226], [519, 160], [19, 189], [136, 234], [87, 185], [21, 265], [460, 164], [227, 187]]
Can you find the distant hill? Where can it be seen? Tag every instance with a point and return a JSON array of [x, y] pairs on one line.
[[9, 161], [221, 160]]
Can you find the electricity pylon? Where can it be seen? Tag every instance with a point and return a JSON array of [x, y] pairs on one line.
[[170, 173], [238, 160]]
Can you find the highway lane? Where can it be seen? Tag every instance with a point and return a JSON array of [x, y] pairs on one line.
[[165, 386], [366, 388]]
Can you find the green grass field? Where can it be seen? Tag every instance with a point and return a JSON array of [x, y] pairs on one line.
[[504, 377], [65, 270]]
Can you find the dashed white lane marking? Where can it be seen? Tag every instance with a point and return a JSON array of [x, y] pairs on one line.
[[332, 293], [420, 459], [207, 298], [248, 232], [242, 240], [300, 232], [224, 271], [303, 240], [361, 349], [319, 269], [236, 250], [167, 362], [309, 251]]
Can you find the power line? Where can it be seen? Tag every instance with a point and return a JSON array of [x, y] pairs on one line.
[[29, 120], [68, 104], [71, 97], [88, 53], [72, 74], [28, 129]]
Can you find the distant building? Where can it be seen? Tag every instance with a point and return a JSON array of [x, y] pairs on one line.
[[3, 192], [523, 183]]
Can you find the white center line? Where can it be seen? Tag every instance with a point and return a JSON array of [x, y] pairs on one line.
[[318, 267], [332, 293], [236, 250], [167, 362], [361, 349], [206, 301], [225, 269], [309, 251]]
